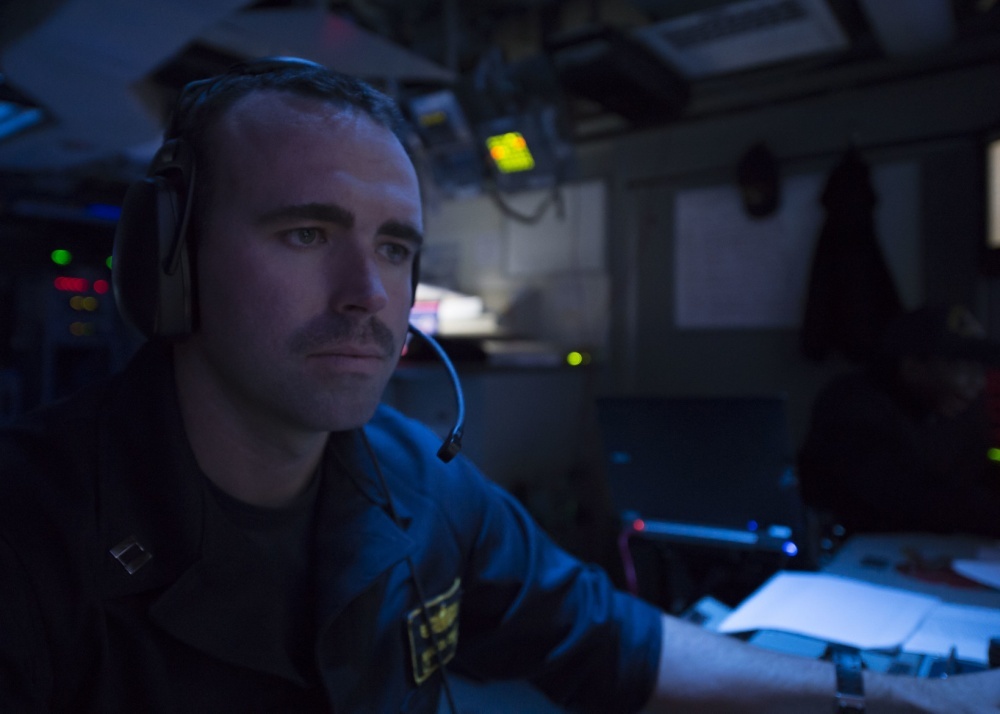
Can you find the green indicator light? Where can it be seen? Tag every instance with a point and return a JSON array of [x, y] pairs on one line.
[[62, 257], [108, 262], [574, 359], [993, 454]]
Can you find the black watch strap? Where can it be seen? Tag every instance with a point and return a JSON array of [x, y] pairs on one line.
[[850, 684]]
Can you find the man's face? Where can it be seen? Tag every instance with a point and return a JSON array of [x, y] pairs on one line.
[[304, 262]]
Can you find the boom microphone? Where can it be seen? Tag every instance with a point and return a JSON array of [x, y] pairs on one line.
[[453, 442]]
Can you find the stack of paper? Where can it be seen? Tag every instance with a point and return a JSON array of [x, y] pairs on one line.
[[846, 611]]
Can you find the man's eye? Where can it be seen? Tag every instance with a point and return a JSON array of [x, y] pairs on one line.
[[305, 236], [397, 252]]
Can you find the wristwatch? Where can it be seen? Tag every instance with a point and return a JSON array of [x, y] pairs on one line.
[[850, 684]]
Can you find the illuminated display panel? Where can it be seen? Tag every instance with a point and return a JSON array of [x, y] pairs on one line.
[[510, 152], [523, 151], [424, 316], [433, 119], [993, 193], [991, 197]]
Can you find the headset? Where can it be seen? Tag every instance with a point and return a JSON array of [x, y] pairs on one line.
[[152, 273]]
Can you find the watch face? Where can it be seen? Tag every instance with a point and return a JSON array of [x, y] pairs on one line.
[[850, 704]]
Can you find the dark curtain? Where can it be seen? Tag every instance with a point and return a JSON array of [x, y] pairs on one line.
[[851, 295]]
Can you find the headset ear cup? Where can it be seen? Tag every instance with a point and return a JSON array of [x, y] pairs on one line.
[[415, 278], [150, 267]]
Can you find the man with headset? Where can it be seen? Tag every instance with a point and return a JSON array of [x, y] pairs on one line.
[[235, 524]]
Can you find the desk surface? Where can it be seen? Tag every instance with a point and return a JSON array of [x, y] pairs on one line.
[[919, 562]]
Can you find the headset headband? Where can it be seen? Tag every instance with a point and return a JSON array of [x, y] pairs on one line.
[[200, 89]]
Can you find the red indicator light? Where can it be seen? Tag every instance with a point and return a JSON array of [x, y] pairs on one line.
[[101, 286], [638, 525], [76, 285]]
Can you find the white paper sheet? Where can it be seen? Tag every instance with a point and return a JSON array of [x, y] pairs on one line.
[[832, 608], [967, 628], [986, 572]]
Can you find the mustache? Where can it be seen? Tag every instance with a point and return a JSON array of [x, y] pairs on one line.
[[331, 329]]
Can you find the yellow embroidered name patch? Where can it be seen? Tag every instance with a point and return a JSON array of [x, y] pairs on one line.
[[433, 632]]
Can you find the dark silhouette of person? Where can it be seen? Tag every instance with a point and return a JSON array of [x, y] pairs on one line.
[[902, 445]]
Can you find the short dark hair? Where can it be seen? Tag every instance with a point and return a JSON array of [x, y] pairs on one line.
[[202, 102]]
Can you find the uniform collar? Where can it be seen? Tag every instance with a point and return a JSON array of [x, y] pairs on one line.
[[358, 538]]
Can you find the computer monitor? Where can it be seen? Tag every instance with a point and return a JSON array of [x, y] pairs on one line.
[[704, 470]]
